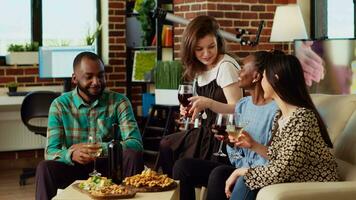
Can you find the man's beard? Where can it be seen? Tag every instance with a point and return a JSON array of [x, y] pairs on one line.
[[87, 92]]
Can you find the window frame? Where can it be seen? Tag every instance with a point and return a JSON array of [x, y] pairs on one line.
[[36, 23], [318, 19]]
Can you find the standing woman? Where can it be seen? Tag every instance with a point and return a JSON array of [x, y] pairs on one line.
[[215, 74], [300, 147]]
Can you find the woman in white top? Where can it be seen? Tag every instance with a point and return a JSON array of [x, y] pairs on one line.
[[215, 74]]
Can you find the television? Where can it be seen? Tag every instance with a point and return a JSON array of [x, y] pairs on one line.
[[57, 62], [338, 60]]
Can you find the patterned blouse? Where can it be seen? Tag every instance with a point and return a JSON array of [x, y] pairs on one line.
[[297, 153]]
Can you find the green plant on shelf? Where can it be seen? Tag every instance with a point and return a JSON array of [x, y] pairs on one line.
[[168, 74], [90, 38], [144, 8], [33, 46], [12, 86]]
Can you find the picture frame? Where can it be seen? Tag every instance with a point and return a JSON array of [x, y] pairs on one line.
[[144, 62]]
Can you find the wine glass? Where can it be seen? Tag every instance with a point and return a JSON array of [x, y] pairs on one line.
[[223, 122], [240, 125], [185, 91], [94, 151]]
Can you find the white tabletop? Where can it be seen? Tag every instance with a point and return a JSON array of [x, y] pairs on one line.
[[6, 100]]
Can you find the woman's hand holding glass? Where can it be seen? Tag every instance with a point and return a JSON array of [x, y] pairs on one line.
[[198, 104], [184, 93], [243, 140], [234, 133]]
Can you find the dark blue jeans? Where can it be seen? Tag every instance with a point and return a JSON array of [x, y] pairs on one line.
[[242, 192]]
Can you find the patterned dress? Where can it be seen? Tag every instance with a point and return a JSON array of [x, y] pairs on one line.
[[297, 153]]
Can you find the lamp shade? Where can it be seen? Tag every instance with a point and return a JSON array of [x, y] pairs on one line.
[[288, 24]]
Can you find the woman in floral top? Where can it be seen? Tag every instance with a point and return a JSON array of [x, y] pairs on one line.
[[299, 150]]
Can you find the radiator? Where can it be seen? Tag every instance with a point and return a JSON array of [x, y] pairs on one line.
[[15, 136]]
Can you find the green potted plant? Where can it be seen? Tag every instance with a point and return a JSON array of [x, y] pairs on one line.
[[12, 86], [22, 54], [167, 77], [144, 8], [90, 37]]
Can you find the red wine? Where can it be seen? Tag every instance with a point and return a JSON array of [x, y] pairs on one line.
[[221, 129], [183, 98]]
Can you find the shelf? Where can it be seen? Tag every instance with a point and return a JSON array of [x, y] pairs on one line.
[[143, 48]]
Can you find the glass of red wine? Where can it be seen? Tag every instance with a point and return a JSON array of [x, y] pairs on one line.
[[223, 123], [185, 91]]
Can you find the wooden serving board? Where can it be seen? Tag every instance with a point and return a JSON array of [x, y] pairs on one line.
[[131, 194], [154, 189]]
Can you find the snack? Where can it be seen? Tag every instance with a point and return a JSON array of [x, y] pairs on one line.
[[101, 186], [149, 178]]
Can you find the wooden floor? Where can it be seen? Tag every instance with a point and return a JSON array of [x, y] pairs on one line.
[[10, 188]]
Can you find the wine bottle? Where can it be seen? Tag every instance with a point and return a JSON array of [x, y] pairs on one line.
[[115, 157]]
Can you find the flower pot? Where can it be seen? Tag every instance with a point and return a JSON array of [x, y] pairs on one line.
[[166, 97], [12, 89], [22, 58]]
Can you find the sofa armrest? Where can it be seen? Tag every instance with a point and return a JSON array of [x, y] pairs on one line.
[[309, 191]]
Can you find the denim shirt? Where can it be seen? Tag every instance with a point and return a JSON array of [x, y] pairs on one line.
[[259, 118]]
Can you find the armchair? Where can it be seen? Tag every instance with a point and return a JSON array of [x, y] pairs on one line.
[[339, 114]]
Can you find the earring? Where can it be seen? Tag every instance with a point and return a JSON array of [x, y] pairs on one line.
[[254, 81], [276, 76]]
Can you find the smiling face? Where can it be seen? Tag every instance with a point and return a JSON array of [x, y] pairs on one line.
[[248, 75], [90, 79], [206, 50]]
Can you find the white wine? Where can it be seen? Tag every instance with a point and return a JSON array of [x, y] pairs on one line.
[[235, 132], [96, 153]]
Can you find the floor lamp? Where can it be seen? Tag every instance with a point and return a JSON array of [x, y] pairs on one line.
[[288, 25]]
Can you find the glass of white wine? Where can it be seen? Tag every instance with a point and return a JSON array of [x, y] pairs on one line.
[[94, 149], [235, 131]]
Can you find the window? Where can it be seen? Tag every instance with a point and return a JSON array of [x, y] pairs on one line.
[[15, 27], [64, 22], [67, 22], [340, 18]]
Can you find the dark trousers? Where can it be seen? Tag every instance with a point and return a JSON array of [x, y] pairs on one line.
[[51, 175], [166, 156], [195, 173]]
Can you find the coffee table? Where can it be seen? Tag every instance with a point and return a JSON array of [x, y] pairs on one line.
[[70, 193]]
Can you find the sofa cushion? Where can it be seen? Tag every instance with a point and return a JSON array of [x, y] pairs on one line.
[[339, 115]]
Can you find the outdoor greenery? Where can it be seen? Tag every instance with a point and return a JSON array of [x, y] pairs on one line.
[[168, 74], [33, 46]]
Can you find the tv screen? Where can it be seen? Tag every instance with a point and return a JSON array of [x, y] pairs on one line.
[[57, 62], [330, 64]]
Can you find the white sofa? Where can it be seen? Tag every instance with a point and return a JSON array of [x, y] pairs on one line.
[[339, 114]]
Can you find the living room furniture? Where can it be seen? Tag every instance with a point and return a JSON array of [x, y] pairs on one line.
[[339, 115], [35, 106]]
